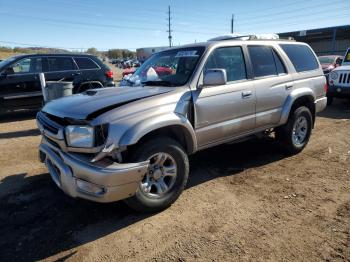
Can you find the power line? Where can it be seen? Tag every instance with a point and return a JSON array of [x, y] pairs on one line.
[[305, 16]]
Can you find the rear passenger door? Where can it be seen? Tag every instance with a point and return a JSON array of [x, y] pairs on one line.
[[272, 84], [60, 67]]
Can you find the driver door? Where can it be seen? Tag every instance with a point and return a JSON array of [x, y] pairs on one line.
[[225, 111], [20, 86]]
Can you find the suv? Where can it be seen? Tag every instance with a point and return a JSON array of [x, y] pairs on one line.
[[133, 142], [339, 80], [19, 76]]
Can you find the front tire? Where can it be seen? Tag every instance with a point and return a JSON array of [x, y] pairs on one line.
[[166, 177], [295, 135]]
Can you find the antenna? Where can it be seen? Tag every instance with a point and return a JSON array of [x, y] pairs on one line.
[[232, 22], [169, 27]]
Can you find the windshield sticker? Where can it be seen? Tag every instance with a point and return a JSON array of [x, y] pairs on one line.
[[191, 53]]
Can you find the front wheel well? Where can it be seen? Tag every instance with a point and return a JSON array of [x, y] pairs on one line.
[[307, 101], [177, 132]]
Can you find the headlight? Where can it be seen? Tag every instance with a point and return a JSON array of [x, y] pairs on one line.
[[334, 75], [80, 136]]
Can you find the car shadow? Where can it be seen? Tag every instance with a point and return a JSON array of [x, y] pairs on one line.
[[17, 116], [22, 133], [340, 109], [39, 221]]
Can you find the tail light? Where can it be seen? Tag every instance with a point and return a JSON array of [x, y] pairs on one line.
[[325, 87], [109, 74]]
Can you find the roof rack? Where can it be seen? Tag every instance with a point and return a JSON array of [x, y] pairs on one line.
[[250, 37]]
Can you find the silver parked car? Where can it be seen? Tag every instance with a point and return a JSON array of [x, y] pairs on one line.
[[132, 143]]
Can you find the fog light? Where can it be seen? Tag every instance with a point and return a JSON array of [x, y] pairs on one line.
[[338, 90], [89, 187]]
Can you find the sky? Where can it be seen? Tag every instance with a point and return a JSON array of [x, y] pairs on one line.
[[107, 24]]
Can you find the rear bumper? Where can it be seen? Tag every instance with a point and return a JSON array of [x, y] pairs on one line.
[[69, 172], [339, 91], [320, 104]]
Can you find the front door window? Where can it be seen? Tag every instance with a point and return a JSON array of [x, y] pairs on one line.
[[26, 65]]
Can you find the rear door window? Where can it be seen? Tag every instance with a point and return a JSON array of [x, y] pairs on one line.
[[229, 58], [85, 63], [279, 64], [301, 57], [60, 64], [262, 60]]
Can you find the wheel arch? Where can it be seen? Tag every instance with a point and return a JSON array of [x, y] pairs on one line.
[[301, 97], [174, 126]]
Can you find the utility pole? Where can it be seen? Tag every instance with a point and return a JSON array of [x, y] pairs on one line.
[[232, 21], [169, 27]]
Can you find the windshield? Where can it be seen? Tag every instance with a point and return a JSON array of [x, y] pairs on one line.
[[7, 61], [326, 59], [347, 57], [172, 67]]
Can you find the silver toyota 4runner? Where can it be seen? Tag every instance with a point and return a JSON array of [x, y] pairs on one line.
[[132, 142]]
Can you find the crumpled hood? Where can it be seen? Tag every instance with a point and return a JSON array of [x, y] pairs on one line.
[[97, 101]]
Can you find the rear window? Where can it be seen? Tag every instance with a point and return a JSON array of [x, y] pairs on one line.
[[301, 57], [85, 63], [60, 63]]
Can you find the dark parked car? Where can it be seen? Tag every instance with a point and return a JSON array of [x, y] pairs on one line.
[[19, 76], [329, 62]]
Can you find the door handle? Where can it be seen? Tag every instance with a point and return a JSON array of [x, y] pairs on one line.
[[76, 74], [288, 86], [246, 94]]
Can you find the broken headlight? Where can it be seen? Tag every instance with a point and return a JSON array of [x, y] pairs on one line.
[[80, 136]]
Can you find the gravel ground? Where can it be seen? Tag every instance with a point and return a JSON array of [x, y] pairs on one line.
[[244, 201]]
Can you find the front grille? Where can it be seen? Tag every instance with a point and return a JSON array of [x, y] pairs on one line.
[[52, 142], [48, 124], [344, 78]]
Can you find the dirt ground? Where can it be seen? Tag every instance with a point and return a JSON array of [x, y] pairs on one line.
[[243, 202]]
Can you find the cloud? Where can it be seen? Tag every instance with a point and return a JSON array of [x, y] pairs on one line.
[[183, 23], [157, 32]]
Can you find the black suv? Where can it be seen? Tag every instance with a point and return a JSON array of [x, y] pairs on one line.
[[19, 76]]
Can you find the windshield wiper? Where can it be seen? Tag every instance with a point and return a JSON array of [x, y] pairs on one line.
[[158, 83]]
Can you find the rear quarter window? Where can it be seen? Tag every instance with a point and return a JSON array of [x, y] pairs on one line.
[[301, 57], [85, 63]]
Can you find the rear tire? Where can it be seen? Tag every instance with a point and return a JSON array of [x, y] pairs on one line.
[[329, 100], [161, 185], [295, 135]]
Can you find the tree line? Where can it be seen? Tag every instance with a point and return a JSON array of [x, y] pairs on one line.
[[112, 53]]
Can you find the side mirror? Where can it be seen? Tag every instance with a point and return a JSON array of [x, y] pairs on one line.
[[215, 77], [3, 74], [7, 71]]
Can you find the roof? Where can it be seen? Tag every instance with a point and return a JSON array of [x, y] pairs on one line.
[[237, 41], [52, 54]]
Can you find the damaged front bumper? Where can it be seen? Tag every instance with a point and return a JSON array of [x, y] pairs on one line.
[[102, 181]]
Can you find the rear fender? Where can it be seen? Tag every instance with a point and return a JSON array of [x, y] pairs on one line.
[[292, 97]]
